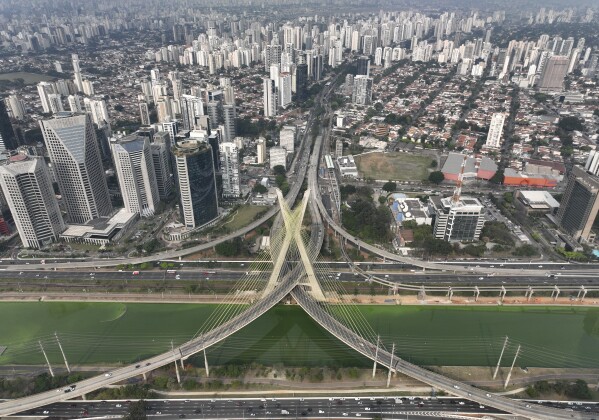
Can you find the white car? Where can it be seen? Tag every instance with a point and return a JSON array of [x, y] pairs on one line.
[[320, 411], [345, 414], [46, 412], [108, 375], [118, 405]]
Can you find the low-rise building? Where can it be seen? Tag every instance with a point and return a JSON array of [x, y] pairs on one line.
[[102, 230], [536, 202], [347, 166]]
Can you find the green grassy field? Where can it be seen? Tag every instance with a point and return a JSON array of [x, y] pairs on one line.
[[100, 333], [244, 216], [393, 166], [28, 78]]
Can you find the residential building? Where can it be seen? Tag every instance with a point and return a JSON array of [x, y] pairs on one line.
[[287, 138], [134, 166], [27, 188], [261, 151], [284, 90], [461, 220], [363, 66], [191, 108], [554, 73], [494, 139], [362, 90], [229, 167], [278, 156], [15, 107], [579, 205], [196, 182], [144, 111], [592, 164], [270, 97], [73, 149], [229, 115]]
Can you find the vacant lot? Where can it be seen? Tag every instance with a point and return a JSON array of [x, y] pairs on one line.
[[28, 78], [393, 166], [95, 333], [243, 216]]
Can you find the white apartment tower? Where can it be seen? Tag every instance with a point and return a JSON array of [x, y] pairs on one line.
[[229, 167], [270, 97], [73, 149], [260, 151], [77, 72], [135, 170], [27, 188], [495, 131]]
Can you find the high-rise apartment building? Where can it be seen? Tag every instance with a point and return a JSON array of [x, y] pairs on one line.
[[278, 157], [580, 204], [592, 164], [284, 90], [74, 103], [229, 167], [15, 107], [362, 90], [44, 89], [27, 188], [457, 221], [197, 183], [73, 149], [229, 115], [270, 97], [495, 131], [96, 107], [191, 108], [260, 151], [134, 167], [77, 73], [554, 72], [287, 138]]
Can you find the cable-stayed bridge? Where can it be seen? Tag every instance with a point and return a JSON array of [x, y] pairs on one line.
[[295, 243]]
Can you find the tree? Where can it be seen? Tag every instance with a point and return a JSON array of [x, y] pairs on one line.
[[498, 177], [571, 124], [137, 411], [436, 177], [389, 186], [279, 170], [260, 189]]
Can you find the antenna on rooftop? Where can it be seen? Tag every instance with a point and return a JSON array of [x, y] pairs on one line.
[[458, 189]]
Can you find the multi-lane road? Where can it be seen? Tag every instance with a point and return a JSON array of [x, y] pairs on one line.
[[270, 408]]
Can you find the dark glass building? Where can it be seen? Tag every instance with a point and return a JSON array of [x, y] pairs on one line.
[[197, 183]]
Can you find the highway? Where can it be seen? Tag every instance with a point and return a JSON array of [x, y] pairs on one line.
[[271, 408]]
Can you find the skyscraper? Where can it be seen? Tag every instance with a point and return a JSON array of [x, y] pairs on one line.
[[44, 89], [284, 90], [229, 166], [580, 204], [27, 187], [144, 112], [554, 72], [197, 183], [74, 103], [362, 90], [73, 149], [134, 166], [161, 155], [270, 97], [301, 81], [363, 66], [495, 131], [98, 110]]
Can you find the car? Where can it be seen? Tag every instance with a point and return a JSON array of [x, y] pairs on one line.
[[158, 412], [148, 364], [481, 406], [108, 375], [367, 408], [456, 387], [358, 415], [481, 278], [461, 403], [46, 412], [118, 405], [345, 414], [488, 395], [527, 405], [137, 366], [320, 411]]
